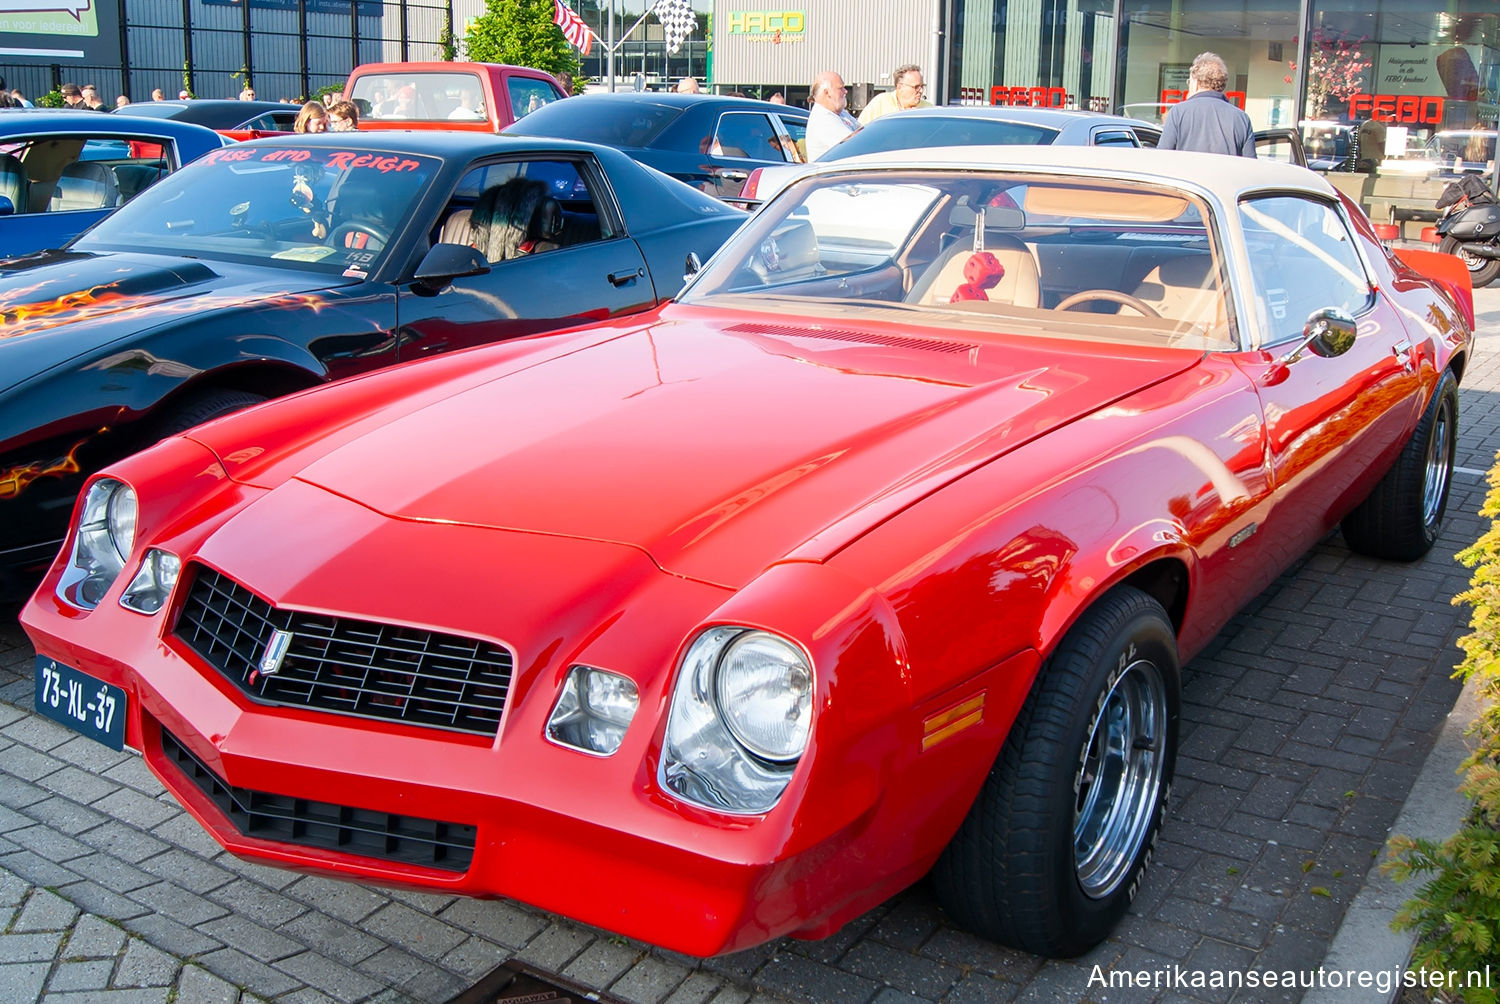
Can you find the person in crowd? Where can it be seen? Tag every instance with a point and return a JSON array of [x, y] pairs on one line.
[[1206, 120], [469, 106], [72, 97], [21, 100], [777, 99], [247, 93], [906, 94], [183, 95], [343, 116], [91, 99], [688, 85], [1370, 143], [121, 101], [565, 81], [158, 95], [829, 122], [312, 118]]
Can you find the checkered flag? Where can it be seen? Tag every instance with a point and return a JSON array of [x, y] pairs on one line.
[[677, 19]]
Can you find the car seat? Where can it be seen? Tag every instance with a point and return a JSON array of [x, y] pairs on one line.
[[85, 184], [510, 220], [1020, 285], [14, 184], [132, 179], [1184, 288]]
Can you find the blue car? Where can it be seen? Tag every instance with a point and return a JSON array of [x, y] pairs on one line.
[[63, 171]]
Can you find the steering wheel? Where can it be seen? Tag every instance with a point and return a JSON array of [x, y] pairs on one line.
[[1123, 299], [343, 231]]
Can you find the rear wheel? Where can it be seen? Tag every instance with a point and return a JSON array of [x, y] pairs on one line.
[[1482, 271], [203, 406], [1052, 852], [1401, 518]]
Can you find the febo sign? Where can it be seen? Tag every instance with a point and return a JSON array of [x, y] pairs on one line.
[[1172, 97], [1422, 109]]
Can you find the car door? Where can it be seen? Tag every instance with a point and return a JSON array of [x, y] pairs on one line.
[[1283, 145], [558, 251], [1333, 424]]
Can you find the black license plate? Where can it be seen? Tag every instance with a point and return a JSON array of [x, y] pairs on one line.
[[77, 700]]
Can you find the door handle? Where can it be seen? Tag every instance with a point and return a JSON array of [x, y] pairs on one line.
[[625, 275], [1402, 352], [734, 175]]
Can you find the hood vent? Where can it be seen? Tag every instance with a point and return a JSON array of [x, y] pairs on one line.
[[858, 337]]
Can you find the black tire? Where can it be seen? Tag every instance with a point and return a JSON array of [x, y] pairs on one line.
[[1023, 868], [1400, 519], [1482, 271], [203, 406]]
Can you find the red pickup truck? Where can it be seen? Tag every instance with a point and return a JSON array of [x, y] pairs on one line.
[[472, 97]]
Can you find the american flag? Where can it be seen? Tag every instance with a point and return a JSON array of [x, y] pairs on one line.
[[677, 20], [573, 28]]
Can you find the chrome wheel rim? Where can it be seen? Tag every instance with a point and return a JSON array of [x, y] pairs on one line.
[[1437, 466], [1474, 262], [1119, 779]]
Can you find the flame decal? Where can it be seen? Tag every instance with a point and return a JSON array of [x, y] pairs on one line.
[[15, 480], [18, 319]]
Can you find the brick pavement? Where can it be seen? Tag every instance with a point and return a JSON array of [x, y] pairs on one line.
[[1305, 725]]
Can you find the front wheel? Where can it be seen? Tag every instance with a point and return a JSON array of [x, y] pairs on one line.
[[204, 406], [1482, 271], [1053, 849], [1402, 516]]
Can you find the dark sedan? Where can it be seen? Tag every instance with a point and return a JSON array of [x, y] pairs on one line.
[[710, 142], [61, 171], [235, 119], [279, 264]]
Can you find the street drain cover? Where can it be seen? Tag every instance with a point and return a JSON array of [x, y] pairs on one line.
[[515, 984]]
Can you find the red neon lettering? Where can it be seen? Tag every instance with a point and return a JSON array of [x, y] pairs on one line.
[[1170, 97], [1238, 97], [997, 95], [1358, 103], [1432, 110], [1384, 108], [1410, 108]]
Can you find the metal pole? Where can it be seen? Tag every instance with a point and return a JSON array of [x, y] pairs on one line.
[[249, 51], [405, 41], [124, 49], [302, 47], [935, 55], [354, 59], [187, 45], [610, 46]]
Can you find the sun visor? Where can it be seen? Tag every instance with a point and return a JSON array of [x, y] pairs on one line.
[[1103, 203]]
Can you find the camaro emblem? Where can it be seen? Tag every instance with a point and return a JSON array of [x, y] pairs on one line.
[[270, 662]]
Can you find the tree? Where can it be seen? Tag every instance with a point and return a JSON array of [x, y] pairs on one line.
[[520, 32]]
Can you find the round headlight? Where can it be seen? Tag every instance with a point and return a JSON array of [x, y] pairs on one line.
[[122, 512], [764, 689]]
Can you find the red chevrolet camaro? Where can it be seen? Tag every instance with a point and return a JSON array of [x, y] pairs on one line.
[[877, 553]]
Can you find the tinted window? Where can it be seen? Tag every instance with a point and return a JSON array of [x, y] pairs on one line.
[[607, 121], [419, 96], [748, 135], [527, 96], [1303, 259], [909, 132], [1114, 138], [63, 173], [512, 209]]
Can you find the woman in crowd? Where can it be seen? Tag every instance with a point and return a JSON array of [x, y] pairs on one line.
[[343, 116], [312, 118]]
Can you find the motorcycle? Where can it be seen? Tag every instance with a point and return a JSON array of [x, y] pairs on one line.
[[1470, 227]]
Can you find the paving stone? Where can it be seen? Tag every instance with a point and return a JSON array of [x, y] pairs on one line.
[[39, 733], [555, 947], [601, 963], [696, 988], [650, 981], [168, 934], [333, 937], [133, 807], [145, 966], [423, 934], [236, 967], [44, 911], [21, 982], [257, 903], [94, 938], [800, 977], [122, 841], [197, 985], [322, 973], [344, 900], [63, 814], [188, 871], [40, 947], [74, 783], [111, 872], [495, 920], [249, 937], [93, 897], [28, 764], [151, 995], [133, 773], [179, 904], [81, 976], [183, 832], [911, 974]]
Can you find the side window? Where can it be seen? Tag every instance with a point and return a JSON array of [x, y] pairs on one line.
[[510, 209], [527, 95], [1113, 137], [1302, 258], [748, 135], [71, 173], [796, 129]]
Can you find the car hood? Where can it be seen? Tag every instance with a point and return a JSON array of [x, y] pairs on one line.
[[59, 305], [717, 446]]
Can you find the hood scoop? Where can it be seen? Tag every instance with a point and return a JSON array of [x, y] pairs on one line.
[[803, 333], [62, 294]]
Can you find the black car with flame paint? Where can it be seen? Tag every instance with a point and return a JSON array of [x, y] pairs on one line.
[[280, 264]]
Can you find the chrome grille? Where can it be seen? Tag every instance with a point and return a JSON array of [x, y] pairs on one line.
[[408, 839], [342, 665]]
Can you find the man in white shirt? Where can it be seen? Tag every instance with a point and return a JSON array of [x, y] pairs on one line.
[[828, 122]]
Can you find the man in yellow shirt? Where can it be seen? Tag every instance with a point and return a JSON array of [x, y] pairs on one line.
[[906, 94]]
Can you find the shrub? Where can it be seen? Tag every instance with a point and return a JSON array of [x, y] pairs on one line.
[[1456, 915]]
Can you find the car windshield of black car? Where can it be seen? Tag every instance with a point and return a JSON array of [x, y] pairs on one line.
[[918, 132], [323, 209]]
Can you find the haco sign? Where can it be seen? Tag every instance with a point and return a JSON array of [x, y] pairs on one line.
[[1418, 109], [772, 25]]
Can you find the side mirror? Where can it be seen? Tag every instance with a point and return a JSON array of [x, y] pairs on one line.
[[1328, 333], [7, 207], [446, 262], [692, 266]]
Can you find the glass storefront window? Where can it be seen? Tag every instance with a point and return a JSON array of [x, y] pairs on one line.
[[1414, 85], [1047, 53]]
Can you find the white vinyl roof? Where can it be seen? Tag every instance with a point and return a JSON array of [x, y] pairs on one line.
[[1224, 177]]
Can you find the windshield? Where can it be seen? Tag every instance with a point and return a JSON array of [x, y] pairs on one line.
[[915, 132], [325, 209], [1023, 253], [617, 122]]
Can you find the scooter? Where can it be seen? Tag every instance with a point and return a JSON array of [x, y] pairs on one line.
[[1470, 227]]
